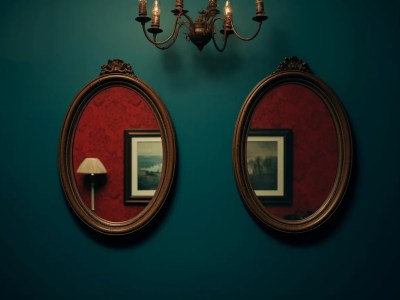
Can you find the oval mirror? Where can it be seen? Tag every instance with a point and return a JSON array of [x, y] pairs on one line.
[[117, 152], [292, 149]]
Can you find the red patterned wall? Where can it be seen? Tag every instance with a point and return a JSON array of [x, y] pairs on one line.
[[315, 146], [100, 133]]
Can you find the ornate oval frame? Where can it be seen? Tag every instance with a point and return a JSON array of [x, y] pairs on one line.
[[293, 70], [116, 73]]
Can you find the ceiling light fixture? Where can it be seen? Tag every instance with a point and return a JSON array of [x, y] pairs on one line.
[[202, 30]]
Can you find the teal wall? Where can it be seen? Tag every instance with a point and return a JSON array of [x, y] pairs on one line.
[[206, 246]]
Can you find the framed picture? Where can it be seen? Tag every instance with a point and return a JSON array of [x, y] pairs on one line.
[[269, 164], [143, 165]]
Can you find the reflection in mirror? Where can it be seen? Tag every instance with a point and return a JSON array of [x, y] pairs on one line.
[[269, 157], [143, 165], [315, 156], [292, 149], [94, 152], [100, 133], [92, 167]]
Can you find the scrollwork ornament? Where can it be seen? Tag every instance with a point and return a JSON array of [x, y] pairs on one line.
[[116, 66], [293, 63]]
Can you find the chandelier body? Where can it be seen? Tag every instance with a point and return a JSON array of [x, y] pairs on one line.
[[200, 31]]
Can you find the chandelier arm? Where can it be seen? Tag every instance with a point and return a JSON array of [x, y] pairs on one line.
[[201, 30], [215, 32], [177, 27], [249, 38], [220, 36], [216, 45], [214, 19], [184, 13], [162, 47], [224, 45]]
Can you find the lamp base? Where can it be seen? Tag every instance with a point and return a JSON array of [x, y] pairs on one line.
[[92, 195]]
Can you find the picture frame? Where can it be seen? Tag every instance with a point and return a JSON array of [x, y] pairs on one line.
[[143, 165], [269, 165]]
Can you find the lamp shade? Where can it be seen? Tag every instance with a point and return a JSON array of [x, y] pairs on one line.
[[91, 165]]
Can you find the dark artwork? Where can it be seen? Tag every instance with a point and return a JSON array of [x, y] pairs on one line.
[[262, 163], [149, 165]]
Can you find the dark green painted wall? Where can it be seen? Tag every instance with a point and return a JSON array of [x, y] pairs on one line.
[[207, 246]]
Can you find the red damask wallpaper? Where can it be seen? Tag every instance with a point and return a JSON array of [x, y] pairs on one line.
[[100, 133], [315, 145]]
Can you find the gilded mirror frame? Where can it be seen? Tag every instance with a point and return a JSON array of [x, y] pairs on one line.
[[116, 73], [293, 70]]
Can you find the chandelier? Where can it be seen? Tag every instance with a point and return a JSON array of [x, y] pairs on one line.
[[202, 30]]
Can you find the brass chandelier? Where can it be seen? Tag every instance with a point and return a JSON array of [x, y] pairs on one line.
[[202, 30]]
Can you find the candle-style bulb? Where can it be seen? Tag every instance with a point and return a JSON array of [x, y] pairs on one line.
[[178, 4], [143, 8], [260, 7], [228, 8], [156, 9]]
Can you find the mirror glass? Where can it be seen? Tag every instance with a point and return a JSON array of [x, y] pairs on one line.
[[298, 189], [117, 152], [100, 134]]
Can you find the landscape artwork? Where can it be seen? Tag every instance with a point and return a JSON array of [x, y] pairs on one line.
[[149, 165], [269, 164], [143, 165], [262, 164]]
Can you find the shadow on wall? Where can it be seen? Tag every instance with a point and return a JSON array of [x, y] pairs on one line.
[[209, 62], [129, 240]]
